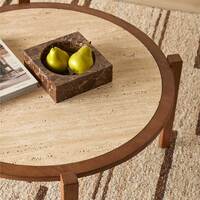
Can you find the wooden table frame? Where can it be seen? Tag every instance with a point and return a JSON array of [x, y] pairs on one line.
[[161, 123]]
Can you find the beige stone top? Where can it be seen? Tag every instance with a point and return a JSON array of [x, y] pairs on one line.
[[34, 130]]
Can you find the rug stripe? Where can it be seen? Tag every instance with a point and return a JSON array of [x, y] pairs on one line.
[[198, 126], [87, 3], [156, 24], [109, 177], [197, 65], [197, 59], [165, 168], [97, 186], [164, 28], [41, 193]]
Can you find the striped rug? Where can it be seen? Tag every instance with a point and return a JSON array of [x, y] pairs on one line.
[[154, 174]]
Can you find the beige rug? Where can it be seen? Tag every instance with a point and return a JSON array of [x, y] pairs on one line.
[[185, 5], [172, 174]]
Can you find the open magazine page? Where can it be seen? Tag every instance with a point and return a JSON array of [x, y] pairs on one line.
[[14, 77]]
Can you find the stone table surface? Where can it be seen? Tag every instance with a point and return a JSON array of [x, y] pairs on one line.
[[35, 130]]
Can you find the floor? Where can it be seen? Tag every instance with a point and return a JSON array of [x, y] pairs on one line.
[[185, 5]]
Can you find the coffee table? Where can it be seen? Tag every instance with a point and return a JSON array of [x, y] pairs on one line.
[[97, 130]]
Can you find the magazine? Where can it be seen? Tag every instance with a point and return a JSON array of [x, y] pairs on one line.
[[15, 79]]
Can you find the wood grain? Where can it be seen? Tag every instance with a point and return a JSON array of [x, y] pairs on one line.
[[36, 131]]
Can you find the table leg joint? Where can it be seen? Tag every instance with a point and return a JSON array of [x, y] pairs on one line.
[[69, 186], [175, 63]]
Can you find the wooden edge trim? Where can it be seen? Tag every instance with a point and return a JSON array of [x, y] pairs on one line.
[[127, 150]]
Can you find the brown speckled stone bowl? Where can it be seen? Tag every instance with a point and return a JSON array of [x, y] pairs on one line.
[[66, 85]]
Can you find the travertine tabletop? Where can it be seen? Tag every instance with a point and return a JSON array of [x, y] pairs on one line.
[[36, 131]]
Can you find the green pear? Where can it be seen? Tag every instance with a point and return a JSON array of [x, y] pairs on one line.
[[82, 60], [57, 60]]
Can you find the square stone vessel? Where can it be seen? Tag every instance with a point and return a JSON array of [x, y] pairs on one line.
[[64, 86]]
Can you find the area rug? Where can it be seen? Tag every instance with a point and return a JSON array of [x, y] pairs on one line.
[[185, 5], [171, 174]]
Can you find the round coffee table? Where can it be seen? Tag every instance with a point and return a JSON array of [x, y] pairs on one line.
[[94, 131]]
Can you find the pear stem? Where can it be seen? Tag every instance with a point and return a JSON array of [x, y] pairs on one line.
[[88, 43]]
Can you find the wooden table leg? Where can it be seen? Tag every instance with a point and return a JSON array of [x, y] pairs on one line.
[[69, 186], [175, 63], [24, 1]]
